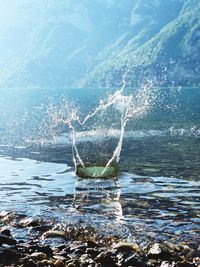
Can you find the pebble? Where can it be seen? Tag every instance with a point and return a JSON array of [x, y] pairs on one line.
[[135, 260], [55, 234], [38, 256], [128, 247], [58, 257], [155, 249], [196, 260], [45, 263], [159, 251], [59, 263], [29, 222], [167, 264], [92, 244], [4, 239], [71, 265], [39, 248], [29, 263], [5, 231], [107, 259], [7, 216], [85, 248], [7, 254], [93, 252]]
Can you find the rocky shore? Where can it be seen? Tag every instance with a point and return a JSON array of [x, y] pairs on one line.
[[32, 242]]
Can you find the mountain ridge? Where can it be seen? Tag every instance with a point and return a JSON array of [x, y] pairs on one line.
[[150, 53], [93, 44]]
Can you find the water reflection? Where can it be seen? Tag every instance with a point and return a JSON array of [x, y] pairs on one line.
[[162, 201], [98, 197]]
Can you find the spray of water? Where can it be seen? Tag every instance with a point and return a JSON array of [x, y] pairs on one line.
[[128, 106]]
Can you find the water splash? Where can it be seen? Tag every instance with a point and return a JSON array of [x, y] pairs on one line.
[[126, 107], [100, 126]]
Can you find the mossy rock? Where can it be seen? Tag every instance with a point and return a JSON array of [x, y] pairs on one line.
[[97, 171]]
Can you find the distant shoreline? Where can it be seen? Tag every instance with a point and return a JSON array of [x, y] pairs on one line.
[[90, 88]]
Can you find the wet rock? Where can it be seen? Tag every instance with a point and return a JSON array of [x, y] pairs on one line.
[[44, 249], [135, 260], [59, 263], [159, 251], [93, 252], [185, 264], [29, 222], [71, 261], [107, 259], [92, 244], [58, 257], [4, 239], [78, 247], [128, 248], [8, 255], [167, 264], [3, 214], [152, 263], [196, 260], [79, 251], [5, 231], [85, 258], [7, 216], [64, 253], [155, 249], [38, 256], [45, 263], [55, 234], [42, 228], [60, 248], [28, 263], [71, 264]]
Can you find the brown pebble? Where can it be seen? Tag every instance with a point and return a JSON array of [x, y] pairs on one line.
[[59, 263]]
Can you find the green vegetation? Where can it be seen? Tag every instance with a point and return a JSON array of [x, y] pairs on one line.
[[172, 50], [59, 44]]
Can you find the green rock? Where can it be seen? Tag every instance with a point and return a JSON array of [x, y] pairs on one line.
[[97, 171]]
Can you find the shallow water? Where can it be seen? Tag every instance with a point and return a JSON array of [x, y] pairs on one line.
[[157, 194]]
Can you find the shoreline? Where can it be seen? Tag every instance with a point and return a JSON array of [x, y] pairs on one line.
[[48, 244]]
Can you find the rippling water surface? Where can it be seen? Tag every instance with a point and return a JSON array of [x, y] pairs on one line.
[[157, 194]]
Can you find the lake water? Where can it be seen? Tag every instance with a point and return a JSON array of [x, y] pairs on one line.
[[157, 194]]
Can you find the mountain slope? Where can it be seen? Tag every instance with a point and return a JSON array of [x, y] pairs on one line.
[[172, 52], [53, 43], [69, 43]]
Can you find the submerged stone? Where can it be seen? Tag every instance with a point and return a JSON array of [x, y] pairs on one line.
[[98, 171], [29, 222], [4, 239], [55, 234]]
